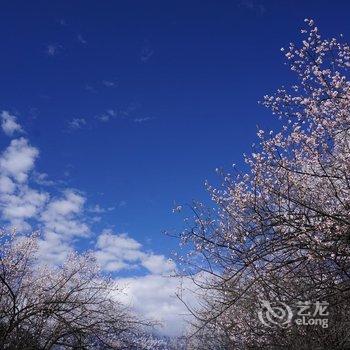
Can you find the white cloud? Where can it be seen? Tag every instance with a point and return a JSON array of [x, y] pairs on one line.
[[107, 116], [157, 264], [20, 205], [52, 250], [42, 179], [9, 123], [72, 203], [24, 204], [62, 216], [6, 184], [18, 159], [97, 209], [119, 251], [25, 208], [63, 220], [154, 297]]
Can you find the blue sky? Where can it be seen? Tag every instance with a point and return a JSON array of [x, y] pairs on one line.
[[132, 105]]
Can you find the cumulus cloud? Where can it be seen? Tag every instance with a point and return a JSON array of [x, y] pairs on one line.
[[21, 206], [6, 185], [18, 202], [155, 297], [119, 251], [62, 215], [18, 159], [52, 249], [9, 123], [24, 207], [63, 219], [157, 264]]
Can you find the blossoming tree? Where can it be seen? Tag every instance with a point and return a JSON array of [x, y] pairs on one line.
[[282, 230]]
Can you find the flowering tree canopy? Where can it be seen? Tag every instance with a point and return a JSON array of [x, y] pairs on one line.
[[282, 230]]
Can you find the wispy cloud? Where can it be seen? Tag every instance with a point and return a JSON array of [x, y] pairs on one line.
[[99, 210], [77, 123], [146, 52], [104, 118], [109, 83], [53, 49], [107, 116], [106, 83], [142, 120], [253, 6], [122, 204], [62, 22], [81, 39], [129, 113], [90, 88], [42, 179]]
